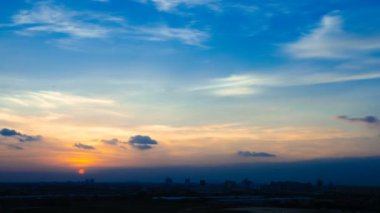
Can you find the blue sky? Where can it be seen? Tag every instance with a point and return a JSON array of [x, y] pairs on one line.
[[204, 79]]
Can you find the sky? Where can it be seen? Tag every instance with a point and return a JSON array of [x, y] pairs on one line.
[[105, 84]]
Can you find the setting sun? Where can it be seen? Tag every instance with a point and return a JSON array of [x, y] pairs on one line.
[[81, 171]]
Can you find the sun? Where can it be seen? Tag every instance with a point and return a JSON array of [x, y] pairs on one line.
[[81, 171]]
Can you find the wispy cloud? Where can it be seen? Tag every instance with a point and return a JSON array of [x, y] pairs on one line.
[[169, 5], [249, 84], [116, 143], [239, 131], [330, 41], [245, 8], [52, 99], [84, 146], [113, 141], [174, 6], [45, 17], [234, 91], [164, 33], [48, 18]]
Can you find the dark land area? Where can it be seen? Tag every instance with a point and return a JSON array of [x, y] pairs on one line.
[[229, 196]]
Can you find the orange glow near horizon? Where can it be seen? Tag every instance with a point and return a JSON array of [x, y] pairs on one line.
[[80, 161], [81, 171]]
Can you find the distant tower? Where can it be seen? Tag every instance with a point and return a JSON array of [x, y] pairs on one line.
[[168, 181], [247, 183], [202, 182], [319, 183], [330, 186], [187, 181]]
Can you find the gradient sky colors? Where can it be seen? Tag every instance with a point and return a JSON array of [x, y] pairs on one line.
[[136, 83]]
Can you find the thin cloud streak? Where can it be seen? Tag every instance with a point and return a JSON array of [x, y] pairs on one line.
[[113, 141], [14, 147], [249, 84], [53, 99], [164, 33], [169, 5], [47, 18], [369, 120]]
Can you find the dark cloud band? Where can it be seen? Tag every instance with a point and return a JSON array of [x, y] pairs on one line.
[[370, 120], [84, 146], [20, 137], [255, 154]]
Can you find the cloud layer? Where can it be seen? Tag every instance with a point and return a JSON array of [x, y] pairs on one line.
[[53, 99], [47, 18], [14, 147], [169, 5], [255, 154]]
